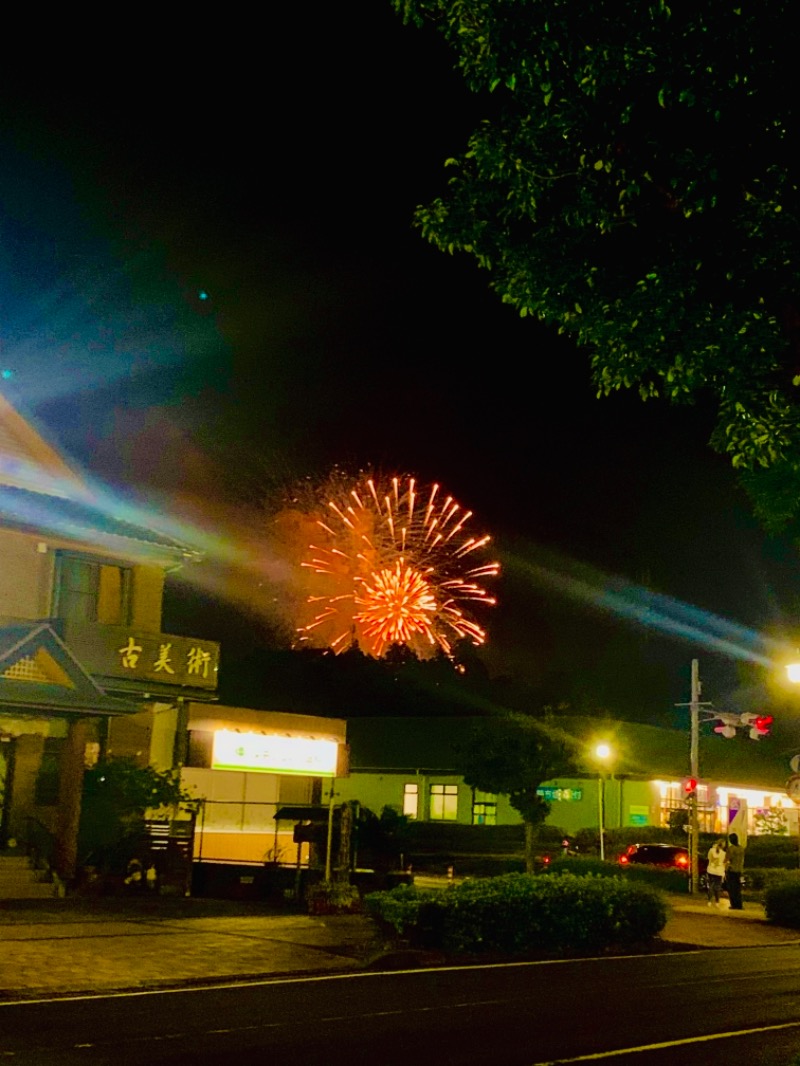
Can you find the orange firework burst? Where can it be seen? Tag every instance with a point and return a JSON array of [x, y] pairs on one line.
[[394, 565]]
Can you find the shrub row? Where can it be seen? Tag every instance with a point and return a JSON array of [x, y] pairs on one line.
[[782, 899], [519, 913], [664, 879]]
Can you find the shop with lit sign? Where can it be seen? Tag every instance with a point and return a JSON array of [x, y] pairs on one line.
[[243, 765]]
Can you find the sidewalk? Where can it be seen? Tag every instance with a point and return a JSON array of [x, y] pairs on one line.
[[693, 922], [60, 948]]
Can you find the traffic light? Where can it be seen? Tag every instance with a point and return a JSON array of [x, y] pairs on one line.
[[758, 724], [689, 788], [761, 726], [725, 729]]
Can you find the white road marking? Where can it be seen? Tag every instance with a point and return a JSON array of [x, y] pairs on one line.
[[595, 1056], [236, 982]]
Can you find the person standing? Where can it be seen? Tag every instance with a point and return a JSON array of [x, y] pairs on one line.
[[715, 872], [734, 868]]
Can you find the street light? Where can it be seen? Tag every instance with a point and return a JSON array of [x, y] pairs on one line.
[[602, 753]]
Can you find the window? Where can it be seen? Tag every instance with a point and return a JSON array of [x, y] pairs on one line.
[[444, 803], [90, 591], [411, 800], [675, 811], [484, 808]]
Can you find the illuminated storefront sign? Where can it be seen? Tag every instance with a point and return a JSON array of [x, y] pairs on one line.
[[560, 795], [114, 651], [273, 753]]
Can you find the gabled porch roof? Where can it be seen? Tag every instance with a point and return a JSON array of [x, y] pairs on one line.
[[40, 675]]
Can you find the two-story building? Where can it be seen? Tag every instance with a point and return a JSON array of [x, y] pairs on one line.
[[84, 666], [85, 669]]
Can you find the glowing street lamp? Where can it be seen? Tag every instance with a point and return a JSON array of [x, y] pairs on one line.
[[603, 753], [793, 672]]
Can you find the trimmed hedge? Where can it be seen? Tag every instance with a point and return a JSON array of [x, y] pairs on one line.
[[782, 899], [772, 852], [666, 880], [519, 913]]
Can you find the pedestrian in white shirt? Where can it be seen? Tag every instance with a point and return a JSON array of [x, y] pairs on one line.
[[715, 873]]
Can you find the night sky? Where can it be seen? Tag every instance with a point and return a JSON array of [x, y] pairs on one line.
[[210, 286]]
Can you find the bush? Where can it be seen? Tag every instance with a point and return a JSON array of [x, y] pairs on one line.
[[327, 897], [665, 880], [519, 913], [772, 851], [759, 879], [782, 900]]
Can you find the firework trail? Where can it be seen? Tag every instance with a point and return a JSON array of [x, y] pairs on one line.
[[393, 565]]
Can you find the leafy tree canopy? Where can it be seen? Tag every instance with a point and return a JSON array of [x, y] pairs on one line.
[[116, 794], [513, 756], [634, 184]]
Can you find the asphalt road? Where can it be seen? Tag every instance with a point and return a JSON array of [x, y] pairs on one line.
[[700, 1007]]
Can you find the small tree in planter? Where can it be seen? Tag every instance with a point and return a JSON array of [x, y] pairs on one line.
[[335, 894], [116, 794]]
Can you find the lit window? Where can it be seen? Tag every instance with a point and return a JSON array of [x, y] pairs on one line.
[[444, 803], [484, 808], [411, 800], [91, 591]]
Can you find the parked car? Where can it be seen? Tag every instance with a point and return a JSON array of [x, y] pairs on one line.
[[670, 856]]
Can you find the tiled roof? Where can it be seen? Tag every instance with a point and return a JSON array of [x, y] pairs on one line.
[[641, 750], [76, 519]]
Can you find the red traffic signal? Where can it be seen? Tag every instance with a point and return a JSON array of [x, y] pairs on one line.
[[689, 787], [761, 726]]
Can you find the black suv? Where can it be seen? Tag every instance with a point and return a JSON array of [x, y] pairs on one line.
[[672, 856]]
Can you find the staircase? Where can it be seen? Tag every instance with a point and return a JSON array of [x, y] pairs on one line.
[[20, 880]]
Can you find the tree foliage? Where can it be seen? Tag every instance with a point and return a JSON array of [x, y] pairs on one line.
[[116, 794], [634, 185], [513, 756]]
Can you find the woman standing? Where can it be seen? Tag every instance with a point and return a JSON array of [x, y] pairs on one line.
[[715, 872]]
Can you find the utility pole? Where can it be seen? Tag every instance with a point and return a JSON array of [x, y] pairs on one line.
[[694, 770], [329, 842]]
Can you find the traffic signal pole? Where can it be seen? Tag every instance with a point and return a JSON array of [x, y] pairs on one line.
[[694, 770]]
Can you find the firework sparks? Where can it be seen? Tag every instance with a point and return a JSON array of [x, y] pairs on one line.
[[393, 565]]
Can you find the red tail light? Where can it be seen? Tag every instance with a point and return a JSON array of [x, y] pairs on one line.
[[682, 860], [623, 859]]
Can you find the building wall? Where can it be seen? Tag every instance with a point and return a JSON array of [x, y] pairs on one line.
[[26, 577], [236, 819], [574, 806], [148, 597], [27, 570], [574, 802]]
